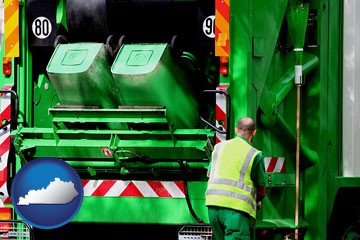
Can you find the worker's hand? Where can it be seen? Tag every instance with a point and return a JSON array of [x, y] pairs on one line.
[[258, 204]]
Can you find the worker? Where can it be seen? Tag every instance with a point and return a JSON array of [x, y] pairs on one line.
[[236, 184]]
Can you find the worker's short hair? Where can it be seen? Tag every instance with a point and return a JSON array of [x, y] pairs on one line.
[[246, 124]]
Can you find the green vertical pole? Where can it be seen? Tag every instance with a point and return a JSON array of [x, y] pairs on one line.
[[297, 17], [240, 60], [24, 76]]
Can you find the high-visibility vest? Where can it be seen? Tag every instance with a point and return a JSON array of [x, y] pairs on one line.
[[230, 183]]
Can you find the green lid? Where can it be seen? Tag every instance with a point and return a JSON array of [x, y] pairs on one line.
[[137, 59], [73, 58]]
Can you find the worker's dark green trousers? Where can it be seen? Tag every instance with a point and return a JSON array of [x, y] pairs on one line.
[[228, 224]]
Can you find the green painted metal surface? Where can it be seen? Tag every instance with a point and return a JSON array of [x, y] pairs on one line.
[[70, 138], [148, 75], [80, 75], [271, 93], [150, 210]]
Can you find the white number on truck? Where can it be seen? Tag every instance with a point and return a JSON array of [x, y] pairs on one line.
[[41, 27]]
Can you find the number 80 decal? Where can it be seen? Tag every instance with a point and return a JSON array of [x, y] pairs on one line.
[[41, 27]]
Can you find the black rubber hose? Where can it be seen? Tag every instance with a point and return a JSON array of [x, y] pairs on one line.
[[187, 194]]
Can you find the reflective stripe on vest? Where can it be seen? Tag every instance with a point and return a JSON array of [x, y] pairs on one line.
[[240, 183]]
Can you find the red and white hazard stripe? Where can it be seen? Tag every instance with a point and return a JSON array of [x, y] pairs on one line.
[[275, 164], [220, 113], [5, 115], [119, 188]]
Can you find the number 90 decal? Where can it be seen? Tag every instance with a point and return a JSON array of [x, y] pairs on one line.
[[209, 26], [41, 27]]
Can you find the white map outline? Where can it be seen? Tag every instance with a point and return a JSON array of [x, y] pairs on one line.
[[57, 192]]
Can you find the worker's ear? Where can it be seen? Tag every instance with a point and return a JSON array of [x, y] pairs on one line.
[[253, 134], [236, 131]]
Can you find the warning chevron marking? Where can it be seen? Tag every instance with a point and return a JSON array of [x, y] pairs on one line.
[[275, 164], [5, 114], [11, 25], [222, 18], [118, 188]]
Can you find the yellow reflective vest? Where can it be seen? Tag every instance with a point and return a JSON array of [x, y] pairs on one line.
[[230, 183]]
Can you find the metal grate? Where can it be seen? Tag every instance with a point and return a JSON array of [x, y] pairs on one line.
[[195, 232], [15, 229]]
